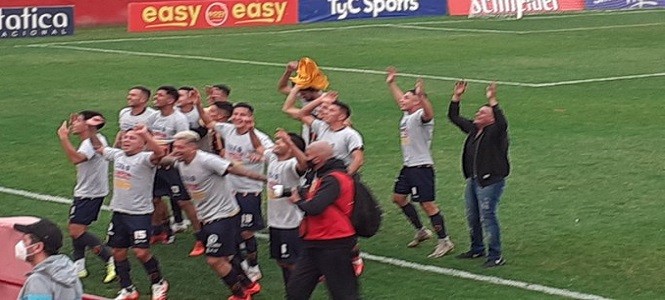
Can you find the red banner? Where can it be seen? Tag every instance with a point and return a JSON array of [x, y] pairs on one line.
[[502, 7], [182, 15]]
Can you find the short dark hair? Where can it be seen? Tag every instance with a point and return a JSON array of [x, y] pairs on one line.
[[144, 90], [186, 88], [224, 88], [225, 106], [170, 90], [297, 140], [245, 105], [346, 109], [89, 114], [310, 89]]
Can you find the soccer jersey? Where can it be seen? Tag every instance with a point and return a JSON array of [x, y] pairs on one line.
[[207, 184], [127, 121], [192, 118], [133, 177], [165, 127], [282, 213], [416, 138], [238, 149], [344, 141], [92, 179]]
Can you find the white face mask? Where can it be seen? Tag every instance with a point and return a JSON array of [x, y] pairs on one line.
[[21, 251]]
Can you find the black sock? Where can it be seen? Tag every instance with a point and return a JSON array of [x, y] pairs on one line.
[[438, 225], [177, 212], [152, 268], [410, 211], [122, 268], [79, 249], [286, 273], [252, 251], [233, 282], [91, 241]]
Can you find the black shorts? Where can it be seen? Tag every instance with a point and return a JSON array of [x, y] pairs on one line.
[[222, 236], [128, 230], [84, 211], [416, 181], [250, 211], [285, 245], [169, 183]]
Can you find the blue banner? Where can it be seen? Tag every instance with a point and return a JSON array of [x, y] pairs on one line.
[[335, 10], [35, 21], [623, 4]]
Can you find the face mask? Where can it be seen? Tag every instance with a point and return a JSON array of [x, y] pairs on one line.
[[21, 251]]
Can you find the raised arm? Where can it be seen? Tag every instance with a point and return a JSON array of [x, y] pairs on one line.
[[205, 118], [464, 124], [392, 86], [306, 112], [289, 106], [283, 83], [74, 156], [428, 109], [157, 150], [499, 118]]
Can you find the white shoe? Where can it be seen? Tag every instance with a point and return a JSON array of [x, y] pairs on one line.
[[179, 227], [421, 235], [160, 290], [129, 293], [444, 246], [79, 266], [244, 266], [254, 273]]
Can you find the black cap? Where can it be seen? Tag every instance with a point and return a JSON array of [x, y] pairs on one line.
[[46, 232]]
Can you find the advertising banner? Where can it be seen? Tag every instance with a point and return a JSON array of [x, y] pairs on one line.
[[182, 15], [36, 21], [335, 10], [623, 4], [507, 7]]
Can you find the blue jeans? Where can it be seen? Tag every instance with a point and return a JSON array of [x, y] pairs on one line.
[[482, 205]]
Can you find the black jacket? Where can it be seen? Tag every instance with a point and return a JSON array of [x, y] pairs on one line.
[[489, 150]]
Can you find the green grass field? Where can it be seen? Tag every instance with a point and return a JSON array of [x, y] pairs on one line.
[[580, 211]]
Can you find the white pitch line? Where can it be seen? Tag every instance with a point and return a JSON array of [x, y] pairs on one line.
[[271, 64], [474, 30], [605, 79], [386, 260], [524, 31]]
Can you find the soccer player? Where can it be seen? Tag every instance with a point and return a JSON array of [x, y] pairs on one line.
[[417, 175], [167, 123], [286, 164], [205, 176], [305, 95], [133, 177], [240, 150], [218, 93], [136, 112], [92, 186]]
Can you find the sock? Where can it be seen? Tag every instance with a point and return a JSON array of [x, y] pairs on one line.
[[438, 225], [122, 268], [410, 211], [79, 248], [177, 212], [355, 252], [252, 251], [152, 268], [241, 276], [91, 241], [286, 273], [233, 282]]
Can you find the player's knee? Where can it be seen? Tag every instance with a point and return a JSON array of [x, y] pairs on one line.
[[142, 254]]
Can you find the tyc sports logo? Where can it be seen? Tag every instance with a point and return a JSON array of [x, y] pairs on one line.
[[335, 10], [18, 22], [342, 8]]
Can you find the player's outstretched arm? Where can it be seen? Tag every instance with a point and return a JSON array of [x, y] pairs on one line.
[[428, 109], [74, 156], [392, 86], [283, 83], [240, 171]]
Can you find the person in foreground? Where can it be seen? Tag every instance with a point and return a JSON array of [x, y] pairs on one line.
[[327, 233], [485, 166], [53, 275]]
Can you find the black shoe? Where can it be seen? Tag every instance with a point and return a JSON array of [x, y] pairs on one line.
[[470, 255], [491, 263]]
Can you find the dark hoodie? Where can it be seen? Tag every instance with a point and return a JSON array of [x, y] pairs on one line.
[[54, 278]]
